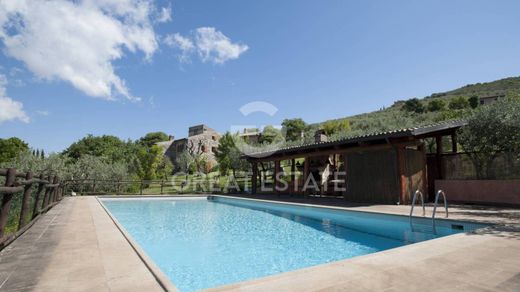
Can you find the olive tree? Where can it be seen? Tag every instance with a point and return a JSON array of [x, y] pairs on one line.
[[492, 130]]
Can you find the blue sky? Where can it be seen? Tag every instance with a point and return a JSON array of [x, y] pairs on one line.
[[316, 60]]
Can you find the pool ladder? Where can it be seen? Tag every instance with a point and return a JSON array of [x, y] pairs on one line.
[[414, 199]]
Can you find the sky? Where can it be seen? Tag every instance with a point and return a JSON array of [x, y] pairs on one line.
[[128, 67]]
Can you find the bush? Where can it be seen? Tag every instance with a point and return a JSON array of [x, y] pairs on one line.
[[413, 105], [459, 103], [474, 101], [436, 105]]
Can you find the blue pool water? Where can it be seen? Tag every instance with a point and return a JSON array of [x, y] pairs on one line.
[[201, 243]]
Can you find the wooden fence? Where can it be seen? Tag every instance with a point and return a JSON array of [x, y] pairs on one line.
[[49, 192]]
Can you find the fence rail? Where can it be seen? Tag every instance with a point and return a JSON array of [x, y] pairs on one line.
[[49, 191]]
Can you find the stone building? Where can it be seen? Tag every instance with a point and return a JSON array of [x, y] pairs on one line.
[[201, 139]]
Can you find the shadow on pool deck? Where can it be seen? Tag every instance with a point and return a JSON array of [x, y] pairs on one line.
[[74, 247], [22, 264]]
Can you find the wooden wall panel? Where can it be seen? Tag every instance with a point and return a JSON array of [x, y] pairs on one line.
[[414, 167], [372, 177]]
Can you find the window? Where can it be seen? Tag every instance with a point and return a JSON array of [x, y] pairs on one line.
[[214, 149], [214, 138], [203, 148]]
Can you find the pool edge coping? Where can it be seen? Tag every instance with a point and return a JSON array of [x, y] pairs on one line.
[[156, 272], [168, 285]]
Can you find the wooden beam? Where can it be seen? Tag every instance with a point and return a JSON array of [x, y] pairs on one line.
[[254, 178]]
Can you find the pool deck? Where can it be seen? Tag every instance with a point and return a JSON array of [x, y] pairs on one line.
[[77, 247]]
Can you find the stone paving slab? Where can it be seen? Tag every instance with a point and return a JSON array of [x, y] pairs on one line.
[[74, 247]]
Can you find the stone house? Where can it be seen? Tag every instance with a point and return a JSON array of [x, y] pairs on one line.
[[201, 139]]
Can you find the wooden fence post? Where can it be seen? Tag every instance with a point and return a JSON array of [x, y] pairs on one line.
[[6, 200], [54, 190], [41, 189], [162, 186], [141, 191], [26, 201], [47, 193], [94, 185]]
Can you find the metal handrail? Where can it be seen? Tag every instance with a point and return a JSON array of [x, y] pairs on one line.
[[437, 201], [413, 205], [422, 203]]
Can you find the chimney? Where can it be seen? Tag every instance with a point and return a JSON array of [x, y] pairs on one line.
[[171, 137], [320, 136]]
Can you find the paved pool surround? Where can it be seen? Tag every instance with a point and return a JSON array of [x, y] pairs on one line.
[[76, 246]]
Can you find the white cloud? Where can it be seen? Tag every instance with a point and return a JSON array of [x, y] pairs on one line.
[[214, 46], [210, 44], [165, 15], [77, 41], [185, 45], [10, 109]]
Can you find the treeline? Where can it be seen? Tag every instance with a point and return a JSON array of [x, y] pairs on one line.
[[94, 158]]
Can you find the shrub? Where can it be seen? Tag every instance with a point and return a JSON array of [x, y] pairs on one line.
[[436, 105], [413, 105], [459, 103]]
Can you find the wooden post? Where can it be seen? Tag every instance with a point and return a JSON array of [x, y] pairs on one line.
[[438, 157], [141, 188], [26, 201], [254, 177], [47, 193], [54, 190], [10, 178], [454, 142], [275, 176], [162, 186], [306, 169], [293, 174], [41, 189], [94, 185], [118, 187], [425, 191]]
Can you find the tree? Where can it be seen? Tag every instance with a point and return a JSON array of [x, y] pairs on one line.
[[293, 129], [229, 156], [474, 101], [108, 147], [270, 135], [165, 168], [413, 105], [492, 130], [153, 138], [436, 105], [184, 162], [458, 103], [12, 147], [147, 162], [336, 126]]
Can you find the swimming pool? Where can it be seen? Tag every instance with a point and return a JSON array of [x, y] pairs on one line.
[[208, 242]]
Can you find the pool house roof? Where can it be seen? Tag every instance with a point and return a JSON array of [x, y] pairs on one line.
[[377, 138]]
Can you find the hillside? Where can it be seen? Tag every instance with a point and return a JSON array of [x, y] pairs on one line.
[[396, 116]]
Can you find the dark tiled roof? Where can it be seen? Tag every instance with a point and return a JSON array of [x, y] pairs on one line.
[[399, 133]]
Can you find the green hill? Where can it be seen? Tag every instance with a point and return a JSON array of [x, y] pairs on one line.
[[450, 105]]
